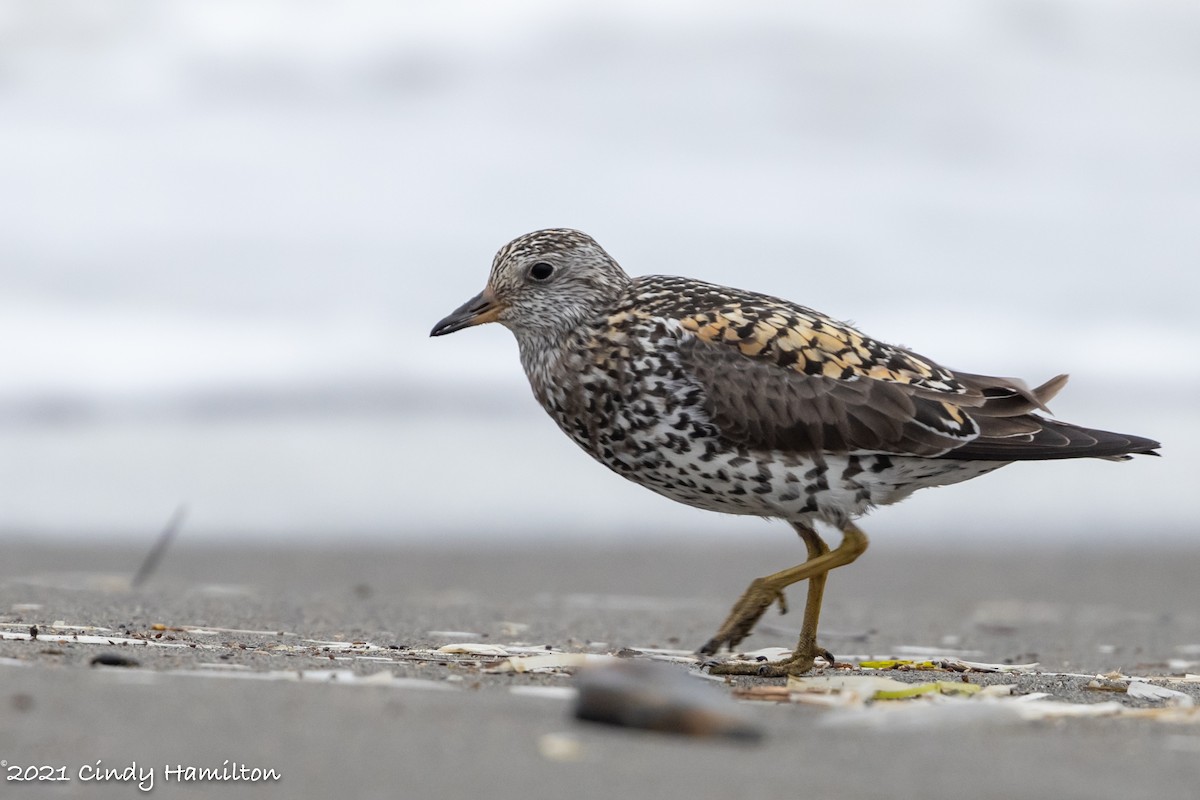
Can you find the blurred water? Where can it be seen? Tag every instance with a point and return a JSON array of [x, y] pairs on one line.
[[228, 227]]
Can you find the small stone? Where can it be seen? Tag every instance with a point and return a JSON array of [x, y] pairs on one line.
[[654, 696], [114, 660]]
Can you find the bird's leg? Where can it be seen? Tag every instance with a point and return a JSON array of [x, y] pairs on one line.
[[762, 592], [812, 605], [751, 606]]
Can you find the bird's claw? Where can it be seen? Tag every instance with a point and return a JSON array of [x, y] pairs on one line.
[[745, 614], [798, 663]]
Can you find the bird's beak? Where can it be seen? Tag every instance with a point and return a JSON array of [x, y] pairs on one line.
[[481, 308]]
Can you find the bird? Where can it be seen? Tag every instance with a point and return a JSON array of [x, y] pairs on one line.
[[738, 402]]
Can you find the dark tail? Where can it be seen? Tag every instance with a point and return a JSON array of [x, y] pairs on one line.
[[1034, 438]]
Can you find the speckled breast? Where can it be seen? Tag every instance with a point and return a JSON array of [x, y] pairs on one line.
[[619, 391]]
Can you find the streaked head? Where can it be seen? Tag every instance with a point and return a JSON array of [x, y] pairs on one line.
[[543, 283]]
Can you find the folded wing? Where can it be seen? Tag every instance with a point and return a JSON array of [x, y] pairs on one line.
[[783, 377]]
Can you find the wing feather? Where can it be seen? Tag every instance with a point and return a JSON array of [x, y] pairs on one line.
[[783, 377]]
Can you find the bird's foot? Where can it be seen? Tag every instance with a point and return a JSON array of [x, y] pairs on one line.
[[798, 663], [745, 614]]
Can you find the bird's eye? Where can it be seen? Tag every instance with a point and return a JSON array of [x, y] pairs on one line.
[[541, 271]]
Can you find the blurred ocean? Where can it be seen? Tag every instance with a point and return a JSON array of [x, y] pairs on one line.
[[226, 229]]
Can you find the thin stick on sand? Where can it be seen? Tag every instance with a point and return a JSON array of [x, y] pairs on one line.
[[160, 547]]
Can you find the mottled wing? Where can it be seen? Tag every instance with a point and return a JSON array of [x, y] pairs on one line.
[[783, 377]]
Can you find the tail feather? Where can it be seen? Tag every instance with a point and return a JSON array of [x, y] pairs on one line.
[[1010, 429], [1009, 397], [1041, 439]]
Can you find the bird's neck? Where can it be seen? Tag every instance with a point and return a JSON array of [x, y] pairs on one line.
[[545, 361]]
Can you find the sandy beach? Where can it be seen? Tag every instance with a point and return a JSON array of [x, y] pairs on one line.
[[318, 666]]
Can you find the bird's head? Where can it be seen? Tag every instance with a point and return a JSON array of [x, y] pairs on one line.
[[544, 283]]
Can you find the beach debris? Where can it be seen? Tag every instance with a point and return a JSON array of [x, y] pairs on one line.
[[454, 635], [114, 660], [898, 663], [926, 658], [959, 665], [150, 562], [473, 649], [889, 704], [857, 690], [643, 694], [208, 630], [764, 654], [337, 677], [344, 647], [1104, 684], [873, 700], [83, 638], [550, 662], [941, 661], [560, 747], [1148, 691]]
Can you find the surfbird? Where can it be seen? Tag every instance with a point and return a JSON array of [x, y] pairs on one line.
[[734, 401]]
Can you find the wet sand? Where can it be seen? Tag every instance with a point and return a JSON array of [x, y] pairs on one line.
[[220, 634]]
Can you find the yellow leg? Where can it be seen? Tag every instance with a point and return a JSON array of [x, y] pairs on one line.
[[816, 590], [764, 591]]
